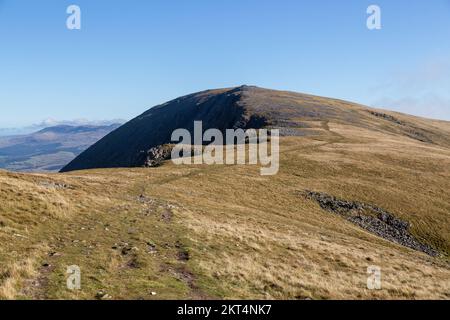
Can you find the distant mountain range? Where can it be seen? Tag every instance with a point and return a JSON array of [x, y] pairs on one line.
[[50, 122], [49, 149]]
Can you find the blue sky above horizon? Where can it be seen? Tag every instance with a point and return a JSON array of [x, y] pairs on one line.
[[132, 55]]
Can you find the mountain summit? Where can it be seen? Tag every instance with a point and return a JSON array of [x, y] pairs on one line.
[[246, 107]]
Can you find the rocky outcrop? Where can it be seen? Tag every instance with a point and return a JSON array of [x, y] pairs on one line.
[[373, 219], [408, 129], [156, 156], [386, 117]]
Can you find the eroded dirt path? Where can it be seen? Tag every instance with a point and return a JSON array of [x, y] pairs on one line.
[[134, 249]]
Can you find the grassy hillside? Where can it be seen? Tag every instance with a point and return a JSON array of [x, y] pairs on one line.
[[227, 232]]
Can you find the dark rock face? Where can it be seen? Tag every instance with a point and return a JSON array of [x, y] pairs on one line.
[[373, 219], [220, 109], [156, 156]]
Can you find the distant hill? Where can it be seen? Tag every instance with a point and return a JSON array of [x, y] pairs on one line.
[[50, 122], [50, 148], [295, 114]]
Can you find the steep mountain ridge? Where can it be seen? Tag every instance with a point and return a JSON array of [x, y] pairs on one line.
[[293, 113]]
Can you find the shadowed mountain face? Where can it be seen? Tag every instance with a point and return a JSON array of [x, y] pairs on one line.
[[245, 107], [49, 149]]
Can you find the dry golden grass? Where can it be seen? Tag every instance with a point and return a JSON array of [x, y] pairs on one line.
[[247, 236]]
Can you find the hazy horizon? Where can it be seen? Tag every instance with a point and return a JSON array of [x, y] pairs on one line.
[[50, 122]]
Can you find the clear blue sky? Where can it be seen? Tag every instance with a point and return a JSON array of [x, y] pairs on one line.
[[131, 55]]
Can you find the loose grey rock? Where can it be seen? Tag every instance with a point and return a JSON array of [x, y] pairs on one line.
[[373, 219]]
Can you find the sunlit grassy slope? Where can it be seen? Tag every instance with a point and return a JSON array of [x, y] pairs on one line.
[[205, 232]]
